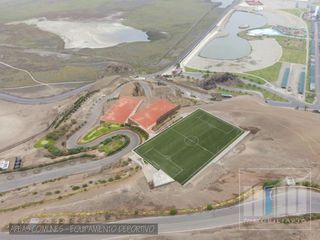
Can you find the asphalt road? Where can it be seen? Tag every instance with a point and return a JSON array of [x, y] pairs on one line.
[[286, 203], [45, 100], [292, 102], [146, 88], [317, 63], [93, 118], [16, 180]]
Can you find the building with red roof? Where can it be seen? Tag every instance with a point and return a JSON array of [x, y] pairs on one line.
[[121, 110], [153, 114]]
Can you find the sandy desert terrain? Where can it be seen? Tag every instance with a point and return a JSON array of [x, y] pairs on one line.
[[284, 139]]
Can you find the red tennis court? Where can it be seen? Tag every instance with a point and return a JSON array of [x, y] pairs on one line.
[[152, 114], [121, 110]]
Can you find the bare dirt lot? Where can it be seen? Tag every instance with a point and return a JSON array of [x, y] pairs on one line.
[[285, 139], [22, 121]]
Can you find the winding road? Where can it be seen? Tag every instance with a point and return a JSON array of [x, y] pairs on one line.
[[16, 180], [11, 181], [45, 100]]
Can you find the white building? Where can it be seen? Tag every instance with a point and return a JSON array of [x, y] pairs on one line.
[[290, 181], [4, 165]]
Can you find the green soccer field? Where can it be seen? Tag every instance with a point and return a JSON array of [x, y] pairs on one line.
[[185, 148]]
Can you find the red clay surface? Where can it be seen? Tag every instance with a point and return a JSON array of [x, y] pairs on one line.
[[148, 116], [121, 110]]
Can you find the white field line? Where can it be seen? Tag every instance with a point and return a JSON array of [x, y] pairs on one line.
[[168, 129], [155, 163], [214, 127], [195, 144], [220, 118], [168, 158], [27, 72], [235, 141], [143, 155], [215, 157]]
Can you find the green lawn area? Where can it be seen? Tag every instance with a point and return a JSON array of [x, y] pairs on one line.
[[189, 69], [114, 144], [310, 97], [251, 78], [225, 91], [99, 131], [294, 50], [185, 148], [41, 143], [270, 74], [267, 95], [50, 139]]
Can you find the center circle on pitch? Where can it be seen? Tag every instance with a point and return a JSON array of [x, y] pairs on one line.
[[192, 140]]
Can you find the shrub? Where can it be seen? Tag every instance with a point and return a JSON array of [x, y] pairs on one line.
[[85, 185], [76, 150], [173, 211], [85, 155], [143, 134], [55, 135], [209, 207], [55, 151], [74, 188], [309, 184], [117, 177], [125, 163], [56, 192], [271, 183]]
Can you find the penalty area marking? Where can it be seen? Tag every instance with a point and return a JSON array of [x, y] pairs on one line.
[[168, 158]]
